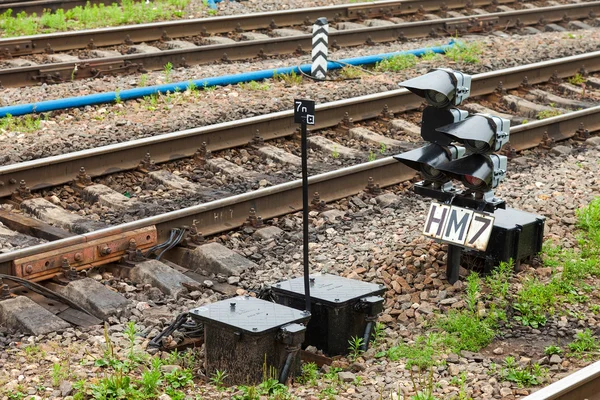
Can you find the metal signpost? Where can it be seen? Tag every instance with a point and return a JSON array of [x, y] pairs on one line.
[[304, 114]]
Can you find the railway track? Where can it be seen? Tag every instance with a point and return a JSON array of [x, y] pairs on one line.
[[53, 247], [216, 214], [199, 50]]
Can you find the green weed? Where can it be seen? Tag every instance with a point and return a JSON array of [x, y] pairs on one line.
[[290, 79], [378, 334], [548, 113], [355, 345], [253, 85], [168, 70], [28, 123], [530, 375], [465, 52], [577, 79], [585, 342], [335, 154], [397, 63], [143, 80], [217, 379], [382, 148], [552, 349], [90, 16], [309, 374], [351, 72], [430, 56], [372, 156], [60, 372], [423, 353]]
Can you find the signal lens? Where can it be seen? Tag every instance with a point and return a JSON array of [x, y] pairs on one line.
[[473, 182], [437, 99], [477, 146], [430, 173]]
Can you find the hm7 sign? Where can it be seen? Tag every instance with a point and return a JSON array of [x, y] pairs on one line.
[[458, 226]]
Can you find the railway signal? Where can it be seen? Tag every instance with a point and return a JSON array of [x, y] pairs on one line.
[[442, 89], [462, 148]]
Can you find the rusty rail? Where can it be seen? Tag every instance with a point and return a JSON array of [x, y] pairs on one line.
[[54, 73], [99, 161], [63, 41]]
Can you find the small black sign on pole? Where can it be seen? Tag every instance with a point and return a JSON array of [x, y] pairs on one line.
[[304, 114]]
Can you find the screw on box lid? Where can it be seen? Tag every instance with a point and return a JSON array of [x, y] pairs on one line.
[[249, 315], [329, 289]]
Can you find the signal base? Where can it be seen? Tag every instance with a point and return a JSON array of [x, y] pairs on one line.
[[448, 194]]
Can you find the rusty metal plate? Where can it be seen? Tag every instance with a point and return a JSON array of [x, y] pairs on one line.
[[17, 48], [84, 255]]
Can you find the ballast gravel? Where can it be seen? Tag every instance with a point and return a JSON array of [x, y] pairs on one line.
[[92, 126], [374, 240]]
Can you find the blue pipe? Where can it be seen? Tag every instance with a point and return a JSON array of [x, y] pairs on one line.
[[108, 97]]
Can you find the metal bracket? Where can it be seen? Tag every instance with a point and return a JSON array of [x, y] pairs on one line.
[[84, 255]]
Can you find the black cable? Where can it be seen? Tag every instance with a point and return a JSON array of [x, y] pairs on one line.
[[161, 245], [174, 243], [335, 80]]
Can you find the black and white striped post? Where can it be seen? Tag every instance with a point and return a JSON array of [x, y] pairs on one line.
[[320, 41]]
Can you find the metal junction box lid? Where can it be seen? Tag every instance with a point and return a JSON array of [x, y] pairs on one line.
[[329, 289], [249, 315]]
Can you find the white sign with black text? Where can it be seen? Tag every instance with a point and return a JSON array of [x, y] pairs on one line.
[[459, 226]]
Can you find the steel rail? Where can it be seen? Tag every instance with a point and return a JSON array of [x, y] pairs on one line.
[[56, 170], [582, 384], [210, 54], [225, 214], [63, 41], [38, 6]]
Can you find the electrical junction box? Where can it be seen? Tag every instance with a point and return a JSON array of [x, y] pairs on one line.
[[341, 309], [516, 235], [245, 336]]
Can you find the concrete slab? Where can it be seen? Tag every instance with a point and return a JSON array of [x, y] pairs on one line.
[[578, 25], [594, 141], [105, 53], [378, 22], [218, 259], [505, 8], [268, 233], [530, 30], [330, 147], [180, 44], [144, 49], [108, 197], [593, 82], [93, 297], [173, 181], [280, 155], [228, 168], [554, 28], [397, 20], [528, 6], [430, 17], [550, 98], [374, 138], [501, 34], [400, 125], [157, 274], [454, 14], [24, 315], [58, 216], [286, 32], [20, 62], [571, 89], [527, 108], [253, 36], [479, 11], [16, 239], [346, 26], [62, 58], [217, 40]]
